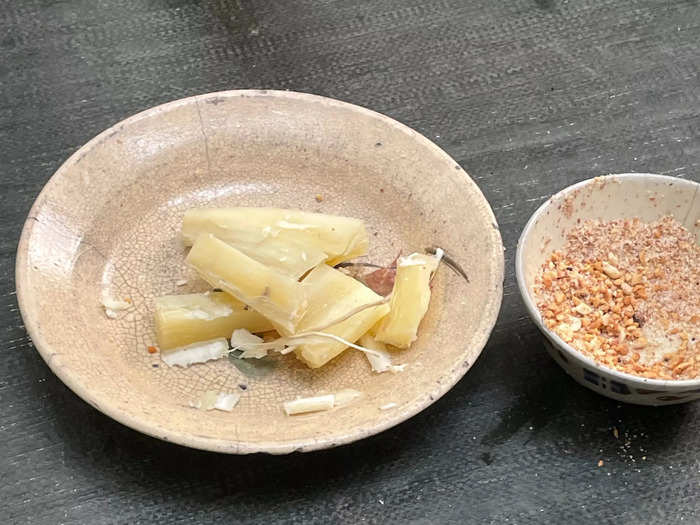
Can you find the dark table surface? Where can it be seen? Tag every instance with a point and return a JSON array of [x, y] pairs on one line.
[[528, 95]]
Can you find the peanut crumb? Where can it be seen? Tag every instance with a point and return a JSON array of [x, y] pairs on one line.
[[626, 294]]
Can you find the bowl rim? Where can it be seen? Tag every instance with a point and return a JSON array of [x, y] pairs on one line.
[[231, 446], [532, 309]]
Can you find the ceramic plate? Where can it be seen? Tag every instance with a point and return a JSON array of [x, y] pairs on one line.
[[109, 220]]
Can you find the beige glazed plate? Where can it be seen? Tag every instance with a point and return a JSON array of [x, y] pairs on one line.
[[109, 221]]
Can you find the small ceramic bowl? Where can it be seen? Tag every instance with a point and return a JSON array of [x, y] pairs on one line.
[[646, 196]]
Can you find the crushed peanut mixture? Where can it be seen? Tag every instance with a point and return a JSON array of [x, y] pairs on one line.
[[627, 294]]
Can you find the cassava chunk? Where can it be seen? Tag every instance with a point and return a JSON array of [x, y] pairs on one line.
[[285, 256], [409, 300], [185, 319], [332, 295], [340, 238], [279, 298]]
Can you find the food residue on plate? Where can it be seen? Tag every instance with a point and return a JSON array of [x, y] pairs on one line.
[[113, 306], [211, 400], [309, 404], [320, 403], [195, 353]]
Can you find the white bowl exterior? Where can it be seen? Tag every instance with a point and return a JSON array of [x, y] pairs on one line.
[[646, 196], [610, 384]]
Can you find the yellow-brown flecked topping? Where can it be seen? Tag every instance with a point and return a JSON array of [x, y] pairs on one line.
[[627, 294]]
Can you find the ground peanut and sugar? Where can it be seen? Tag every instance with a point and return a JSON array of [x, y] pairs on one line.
[[627, 294]]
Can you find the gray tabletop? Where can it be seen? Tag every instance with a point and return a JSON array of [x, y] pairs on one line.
[[528, 96]]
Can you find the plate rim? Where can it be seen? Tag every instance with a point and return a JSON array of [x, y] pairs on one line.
[[231, 446]]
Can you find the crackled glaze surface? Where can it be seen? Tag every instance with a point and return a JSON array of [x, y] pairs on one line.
[[109, 220]]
